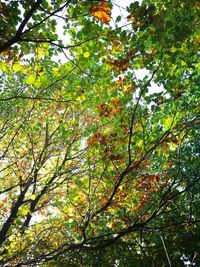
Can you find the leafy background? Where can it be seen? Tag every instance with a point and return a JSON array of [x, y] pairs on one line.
[[98, 166]]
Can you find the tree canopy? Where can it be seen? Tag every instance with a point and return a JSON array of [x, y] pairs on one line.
[[99, 163]]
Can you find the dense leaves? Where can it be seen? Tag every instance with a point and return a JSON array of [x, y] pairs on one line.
[[99, 133]]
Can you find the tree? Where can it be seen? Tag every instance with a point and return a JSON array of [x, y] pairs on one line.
[[96, 169]]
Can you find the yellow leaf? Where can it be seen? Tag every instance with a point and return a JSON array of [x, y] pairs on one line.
[[17, 67], [86, 54], [37, 83], [81, 98], [139, 128], [3, 66], [31, 79], [140, 143], [32, 196], [168, 123]]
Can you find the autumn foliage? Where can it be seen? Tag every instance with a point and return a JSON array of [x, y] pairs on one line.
[[99, 123], [101, 12]]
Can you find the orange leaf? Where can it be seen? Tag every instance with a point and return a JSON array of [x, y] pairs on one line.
[[101, 12], [81, 197], [103, 6], [102, 16], [91, 140]]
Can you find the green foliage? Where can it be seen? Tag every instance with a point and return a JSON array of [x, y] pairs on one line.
[[99, 165]]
